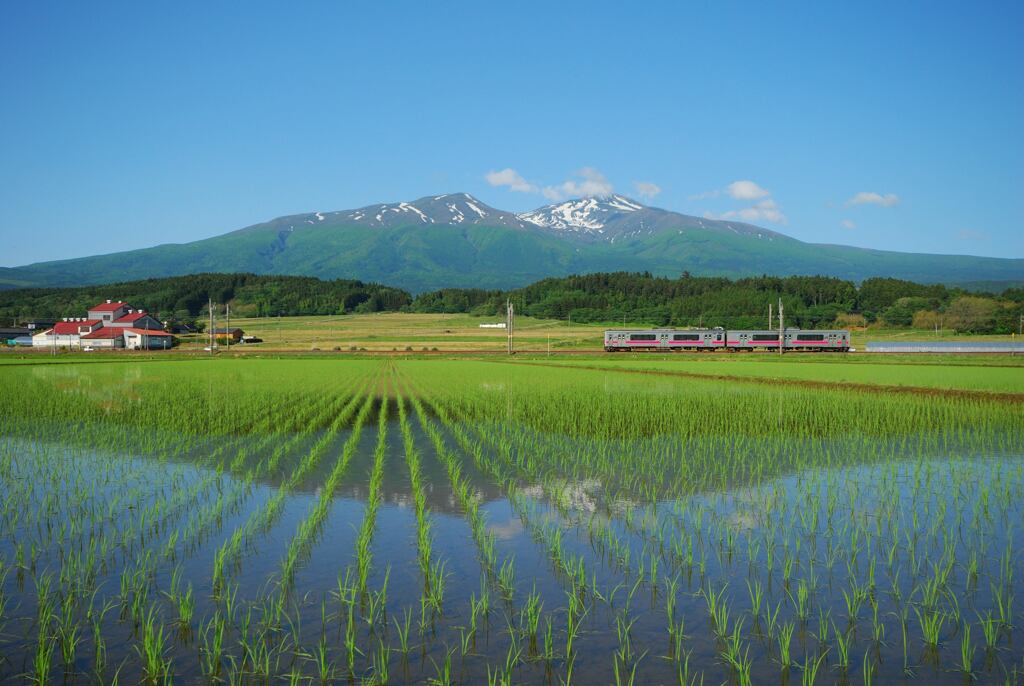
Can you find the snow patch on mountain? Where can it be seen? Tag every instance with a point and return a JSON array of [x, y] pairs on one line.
[[457, 216], [406, 207], [584, 214], [624, 204]]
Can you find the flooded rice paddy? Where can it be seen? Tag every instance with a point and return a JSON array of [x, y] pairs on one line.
[[319, 521]]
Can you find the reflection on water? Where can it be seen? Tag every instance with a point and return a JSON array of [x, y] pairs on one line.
[[791, 550]]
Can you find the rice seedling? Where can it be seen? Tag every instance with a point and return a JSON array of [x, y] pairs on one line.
[[785, 638], [156, 666], [403, 630], [967, 651], [809, 674], [868, 669]]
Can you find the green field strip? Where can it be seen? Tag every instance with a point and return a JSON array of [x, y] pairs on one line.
[[259, 521]]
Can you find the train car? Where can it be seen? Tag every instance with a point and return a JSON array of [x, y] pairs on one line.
[[752, 339], [821, 340], [664, 339], [817, 340]]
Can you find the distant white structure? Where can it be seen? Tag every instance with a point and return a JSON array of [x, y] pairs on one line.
[[946, 347], [493, 326]]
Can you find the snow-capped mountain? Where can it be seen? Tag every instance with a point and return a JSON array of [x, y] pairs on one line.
[[451, 208], [596, 219], [616, 217]]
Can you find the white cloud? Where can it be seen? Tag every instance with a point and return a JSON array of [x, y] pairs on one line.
[[746, 190], [511, 178], [766, 210], [869, 198], [646, 189], [848, 224], [586, 183], [553, 194], [590, 183]]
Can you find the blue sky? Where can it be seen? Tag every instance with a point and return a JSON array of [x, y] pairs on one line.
[[887, 125]]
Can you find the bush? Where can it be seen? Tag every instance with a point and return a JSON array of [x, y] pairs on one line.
[[901, 313], [927, 319], [971, 314], [846, 320]]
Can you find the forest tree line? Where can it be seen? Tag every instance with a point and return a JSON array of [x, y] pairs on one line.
[[636, 298], [186, 298], [809, 301]]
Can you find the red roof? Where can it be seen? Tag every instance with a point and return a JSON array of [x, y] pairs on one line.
[[65, 328], [108, 307], [148, 332], [105, 332], [131, 317]]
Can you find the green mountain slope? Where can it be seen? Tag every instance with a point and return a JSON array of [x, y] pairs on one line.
[[457, 241]]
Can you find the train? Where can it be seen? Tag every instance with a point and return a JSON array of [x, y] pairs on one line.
[[810, 340]]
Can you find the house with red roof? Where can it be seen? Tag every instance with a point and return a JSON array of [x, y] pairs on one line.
[[106, 337], [147, 339], [136, 319], [112, 324], [109, 311], [66, 333]]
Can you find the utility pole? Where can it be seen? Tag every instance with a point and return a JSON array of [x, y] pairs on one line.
[[782, 328], [210, 305], [769, 315], [227, 325], [510, 321]]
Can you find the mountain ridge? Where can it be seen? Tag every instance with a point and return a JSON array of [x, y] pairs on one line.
[[457, 240]]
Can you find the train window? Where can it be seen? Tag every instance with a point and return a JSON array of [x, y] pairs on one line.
[[642, 337], [810, 337], [686, 337], [718, 337], [765, 337]]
